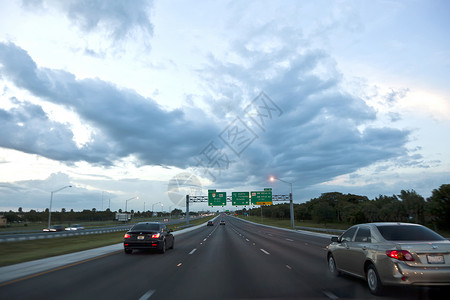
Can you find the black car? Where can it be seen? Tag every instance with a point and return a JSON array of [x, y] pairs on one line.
[[222, 222], [148, 235], [210, 223]]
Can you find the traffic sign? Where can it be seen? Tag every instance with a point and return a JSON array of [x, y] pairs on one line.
[[240, 198], [217, 198], [262, 197]]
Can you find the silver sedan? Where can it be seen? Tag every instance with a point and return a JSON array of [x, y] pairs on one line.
[[391, 254]]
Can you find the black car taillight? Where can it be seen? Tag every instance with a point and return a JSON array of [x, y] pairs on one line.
[[126, 236], [156, 235], [400, 255]]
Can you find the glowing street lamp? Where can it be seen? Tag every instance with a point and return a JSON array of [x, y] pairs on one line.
[[291, 203]]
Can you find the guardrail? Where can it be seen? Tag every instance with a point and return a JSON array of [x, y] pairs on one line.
[[37, 235], [49, 235]]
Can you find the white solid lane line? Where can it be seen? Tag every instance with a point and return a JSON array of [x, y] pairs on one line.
[[147, 295], [192, 252]]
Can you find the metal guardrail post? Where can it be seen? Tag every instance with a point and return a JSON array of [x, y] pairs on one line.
[[187, 209]]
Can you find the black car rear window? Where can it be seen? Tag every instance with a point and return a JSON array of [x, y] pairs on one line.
[[408, 233], [146, 227]]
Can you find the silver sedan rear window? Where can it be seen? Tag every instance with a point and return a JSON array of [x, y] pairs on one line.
[[408, 233]]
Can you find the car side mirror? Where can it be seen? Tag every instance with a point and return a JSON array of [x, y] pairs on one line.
[[334, 239], [170, 230]]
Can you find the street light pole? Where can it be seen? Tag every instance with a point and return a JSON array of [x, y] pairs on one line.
[[153, 205], [51, 200], [126, 202], [291, 202]]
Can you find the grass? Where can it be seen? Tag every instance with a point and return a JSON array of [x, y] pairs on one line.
[[286, 223], [22, 251]]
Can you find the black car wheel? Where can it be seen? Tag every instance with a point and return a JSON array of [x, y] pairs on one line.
[[128, 251], [332, 265], [373, 280], [173, 243], [163, 247]]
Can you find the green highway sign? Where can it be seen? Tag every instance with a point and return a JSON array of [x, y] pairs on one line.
[[262, 197], [240, 198], [217, 198]]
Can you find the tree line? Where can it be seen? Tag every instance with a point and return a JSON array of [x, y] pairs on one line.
[[336, 207]]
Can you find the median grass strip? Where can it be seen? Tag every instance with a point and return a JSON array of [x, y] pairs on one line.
[[286, 223], [22, 251], [17, 252]]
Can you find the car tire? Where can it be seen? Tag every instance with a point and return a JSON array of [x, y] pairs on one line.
[[173, 244], [128, 251], [373, 280], [163, 247], [332, 265]]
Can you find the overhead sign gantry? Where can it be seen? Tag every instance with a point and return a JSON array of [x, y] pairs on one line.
[[240, 198], [217, 198], [262, 197]]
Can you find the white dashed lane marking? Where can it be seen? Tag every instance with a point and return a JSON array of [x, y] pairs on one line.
[[147, 295], [330, 295], [264, 251]]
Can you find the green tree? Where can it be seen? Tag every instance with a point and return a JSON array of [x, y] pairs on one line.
[[11, 217], [176, 212], [414, 205], [323, 213], [390, 209], [439, 207]]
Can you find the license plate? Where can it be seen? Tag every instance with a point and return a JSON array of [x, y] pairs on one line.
[[141, 237], [435, 259]]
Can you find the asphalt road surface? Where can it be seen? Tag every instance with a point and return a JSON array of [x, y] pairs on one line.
[[240, 260]]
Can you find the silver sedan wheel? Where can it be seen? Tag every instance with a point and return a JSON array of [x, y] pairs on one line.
[[373, 281], [332, 265]]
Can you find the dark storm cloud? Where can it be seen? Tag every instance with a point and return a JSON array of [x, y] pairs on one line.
[[28, 129], [323, 132], [119, 19], [124, 122]]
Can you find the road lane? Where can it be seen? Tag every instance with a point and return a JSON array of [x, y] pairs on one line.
[[237, 261], [115, 276]]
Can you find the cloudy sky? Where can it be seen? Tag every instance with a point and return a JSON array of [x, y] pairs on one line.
[[156, 99]]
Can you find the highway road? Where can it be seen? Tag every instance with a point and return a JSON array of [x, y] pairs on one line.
[[240, 260]]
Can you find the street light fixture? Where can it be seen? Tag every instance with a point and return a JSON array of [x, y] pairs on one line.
[[126, 202], [291, 203], [153, 205], [51, 200]]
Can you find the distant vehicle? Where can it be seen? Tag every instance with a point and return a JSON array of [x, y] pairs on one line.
[[391, 254], [210, 223], [54, 228], [148, 235], [75, 227], [222, 222]]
